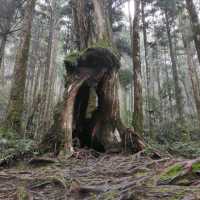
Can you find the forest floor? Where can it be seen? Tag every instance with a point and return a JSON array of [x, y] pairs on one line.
[[87, 175]]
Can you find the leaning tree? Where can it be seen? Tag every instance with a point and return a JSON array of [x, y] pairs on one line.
[[91, 70]]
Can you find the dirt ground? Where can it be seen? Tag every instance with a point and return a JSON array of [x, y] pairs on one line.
[[87, 175]]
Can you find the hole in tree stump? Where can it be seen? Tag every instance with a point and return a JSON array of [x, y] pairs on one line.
[[86, 104]]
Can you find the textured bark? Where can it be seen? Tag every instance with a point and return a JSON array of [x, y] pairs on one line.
[[16, 101], [10, 7], [195, 25], [82, 24], [193, 76], [137, 73], [169, 92], [178, 92], [96, 69], [103, 27], [2, 49], [159, 90], [103, 130], [146, 63]]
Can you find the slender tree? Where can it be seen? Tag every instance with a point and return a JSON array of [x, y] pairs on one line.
[[16, 101], [137, 72], [195, 25], [146, 61], [178, 91]]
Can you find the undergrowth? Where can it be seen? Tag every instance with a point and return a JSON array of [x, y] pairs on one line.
[[11, 143]]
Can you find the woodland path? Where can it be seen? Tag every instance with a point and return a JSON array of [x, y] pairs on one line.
[[86, 176]]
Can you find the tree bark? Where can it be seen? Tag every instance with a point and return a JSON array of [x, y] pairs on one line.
[[2, 49], [8, 18], [193, 77], [169, 92], [195, 25], [104, 130], [16, 101], [178, 92], [137, 73], [146, 63], [95, 69], [103, 26]]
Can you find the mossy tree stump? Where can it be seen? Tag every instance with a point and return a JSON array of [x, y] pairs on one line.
[[97, 69]]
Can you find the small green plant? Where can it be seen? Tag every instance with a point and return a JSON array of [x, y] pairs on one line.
[[11, 143]]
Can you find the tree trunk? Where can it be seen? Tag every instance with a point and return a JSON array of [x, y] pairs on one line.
[[48, 67], [195, 25], [11, 8], [178, 92], [146, 63], [137, 73], [103, 26], [169, 92], [94, 70], [16, 101], [193, 77], [2, 49], [82, 24], [103, 130]]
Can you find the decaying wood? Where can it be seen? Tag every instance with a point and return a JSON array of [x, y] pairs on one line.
[[96, 68]]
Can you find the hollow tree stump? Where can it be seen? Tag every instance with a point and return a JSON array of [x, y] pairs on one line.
[[95, 68]]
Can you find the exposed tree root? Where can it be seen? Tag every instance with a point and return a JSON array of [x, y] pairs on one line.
[[108, 176]]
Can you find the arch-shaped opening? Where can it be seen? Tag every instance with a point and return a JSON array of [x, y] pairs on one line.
[[86, 103]]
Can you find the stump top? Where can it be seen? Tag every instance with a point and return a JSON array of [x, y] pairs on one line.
[[92, 58]]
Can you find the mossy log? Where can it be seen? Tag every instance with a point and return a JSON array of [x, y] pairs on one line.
[[183, 173], [97, 69]]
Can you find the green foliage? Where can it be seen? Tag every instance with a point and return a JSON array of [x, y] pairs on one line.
[[72, 57], [172, 131], [188, 149], [11, 143]]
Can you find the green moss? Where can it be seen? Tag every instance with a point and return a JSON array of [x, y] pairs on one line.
[[72, 57], [172, 172], [138, 122], [196, 167]]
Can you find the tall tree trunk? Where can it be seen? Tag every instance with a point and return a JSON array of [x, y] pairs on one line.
[[193, 77], [11, 7], [82, 24], [195, 25], [104, 128], [48, 66], [103, 26], [146, 63], [178, 91], [169, 92], [16, 101], [137, 73], [131, 33]]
